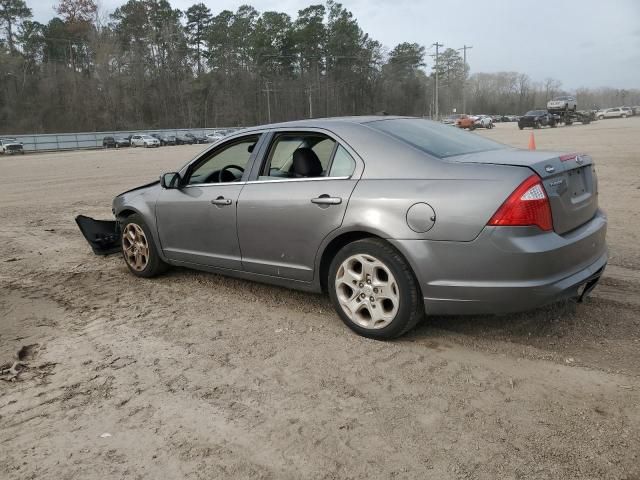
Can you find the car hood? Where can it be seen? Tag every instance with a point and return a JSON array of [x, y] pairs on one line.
[[141, 187]]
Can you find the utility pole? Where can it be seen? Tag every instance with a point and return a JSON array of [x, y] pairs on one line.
[[464, 83], [437, 45], [310, 103], [268, 90]]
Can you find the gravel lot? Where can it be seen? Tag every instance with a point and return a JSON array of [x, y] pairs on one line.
[[193, 375]]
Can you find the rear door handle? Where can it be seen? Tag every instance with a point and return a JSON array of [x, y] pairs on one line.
[[326, 200], [222, 201]]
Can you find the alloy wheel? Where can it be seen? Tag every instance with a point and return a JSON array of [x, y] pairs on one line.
[[367, 291], [135, 247]]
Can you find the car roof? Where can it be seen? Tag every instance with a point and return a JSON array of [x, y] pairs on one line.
[[329, 122]]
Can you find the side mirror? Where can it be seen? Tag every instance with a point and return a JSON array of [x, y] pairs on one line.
[[170, 180]]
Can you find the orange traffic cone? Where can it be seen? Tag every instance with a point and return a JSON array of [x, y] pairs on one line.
[[532, 142]]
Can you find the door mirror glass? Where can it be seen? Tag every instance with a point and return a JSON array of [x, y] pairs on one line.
[[170, 180]]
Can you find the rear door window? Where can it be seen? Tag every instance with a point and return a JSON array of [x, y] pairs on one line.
[[279, 163]]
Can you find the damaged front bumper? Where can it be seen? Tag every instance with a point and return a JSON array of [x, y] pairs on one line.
[[102, 235]]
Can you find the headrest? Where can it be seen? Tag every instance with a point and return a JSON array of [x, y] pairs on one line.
[[306, 163]]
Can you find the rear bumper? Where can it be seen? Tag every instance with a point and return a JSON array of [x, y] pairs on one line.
[[507, 269]]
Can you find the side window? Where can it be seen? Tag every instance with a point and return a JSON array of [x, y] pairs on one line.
[[343, 164], [226, 165], [298, 155]]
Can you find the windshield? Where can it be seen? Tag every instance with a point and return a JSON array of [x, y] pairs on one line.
[[533, 113], [147, 137], [434, 138]]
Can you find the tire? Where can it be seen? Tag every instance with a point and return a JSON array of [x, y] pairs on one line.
[[117, 145], [383, 271], [140, 253], [520, 127], [537, 125], [624, 115], [601, 117]]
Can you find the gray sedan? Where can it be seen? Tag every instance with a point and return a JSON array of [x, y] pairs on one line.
[[393, 217]]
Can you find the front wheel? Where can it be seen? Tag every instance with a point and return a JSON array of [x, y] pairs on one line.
[[624, 115], [139, 251], [374, 290], [601, 117]]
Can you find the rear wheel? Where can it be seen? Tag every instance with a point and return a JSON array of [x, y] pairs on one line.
[[601, 117], [374, 290], [139, 251]]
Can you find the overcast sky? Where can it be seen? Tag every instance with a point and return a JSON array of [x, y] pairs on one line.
[[587, 43]]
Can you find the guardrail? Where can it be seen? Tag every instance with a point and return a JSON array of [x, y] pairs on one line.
[[87, 140]]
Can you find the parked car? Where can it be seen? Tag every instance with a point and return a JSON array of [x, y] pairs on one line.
[[215, 136], [11, 146], [451, 119], [144, 141], [115, 142], [636, 109], [456, 224], [537, 119], [183, 139], [616, 112], [628, 110], [165, 139], [466, 121], [562, 104], [197, 138], [483, 121]]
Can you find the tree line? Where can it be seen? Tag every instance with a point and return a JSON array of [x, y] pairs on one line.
[[149, 65]]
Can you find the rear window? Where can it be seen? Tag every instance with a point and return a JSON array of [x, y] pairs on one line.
[[435, 138]]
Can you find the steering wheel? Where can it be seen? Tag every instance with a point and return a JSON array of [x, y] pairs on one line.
[[225, 169], [223, 172]]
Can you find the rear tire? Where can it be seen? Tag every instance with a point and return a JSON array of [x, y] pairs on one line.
[[138, 248], [374, 290]]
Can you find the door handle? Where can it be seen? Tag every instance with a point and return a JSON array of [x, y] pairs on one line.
[[326, 200], [221, 201]]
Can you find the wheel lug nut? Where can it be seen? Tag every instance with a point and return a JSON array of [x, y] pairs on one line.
[[368, 281], [362, 295], [372, 299], [375, 290], [361, 285]]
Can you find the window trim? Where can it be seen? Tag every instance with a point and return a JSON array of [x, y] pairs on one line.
[[272, 135], [187, 171]]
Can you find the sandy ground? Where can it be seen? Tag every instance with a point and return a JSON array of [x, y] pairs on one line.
[[193, 375]]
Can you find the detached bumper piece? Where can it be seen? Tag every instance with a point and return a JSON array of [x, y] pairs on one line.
[[102, 235], [590, 284]]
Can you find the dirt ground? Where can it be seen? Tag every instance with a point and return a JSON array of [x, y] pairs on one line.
[[193, 375]]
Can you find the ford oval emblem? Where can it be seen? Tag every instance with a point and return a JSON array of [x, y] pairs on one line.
[[549, 169]]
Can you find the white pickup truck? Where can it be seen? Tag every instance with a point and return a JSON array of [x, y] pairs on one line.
[[562, 104], [11, 145]]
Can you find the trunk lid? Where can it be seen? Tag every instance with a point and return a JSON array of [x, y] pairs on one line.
[[569, 179]]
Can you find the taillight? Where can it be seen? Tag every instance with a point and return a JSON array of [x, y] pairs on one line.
[[527, 205]]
